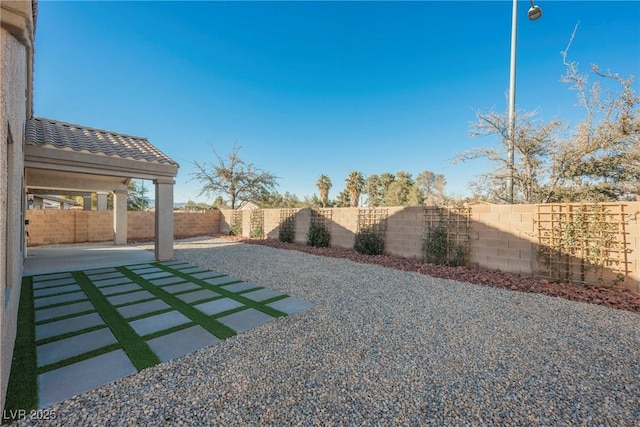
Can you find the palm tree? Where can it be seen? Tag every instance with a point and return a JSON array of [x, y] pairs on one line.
[[355, 185], [324, 185]]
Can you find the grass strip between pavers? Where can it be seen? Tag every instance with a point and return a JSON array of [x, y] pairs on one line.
[[79, 358], [219, 289], [22, 391], [216, 328], [136, 348]]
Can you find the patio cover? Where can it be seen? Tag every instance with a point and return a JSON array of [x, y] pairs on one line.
[[63, 157]]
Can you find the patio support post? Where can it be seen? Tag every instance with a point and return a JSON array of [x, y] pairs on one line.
[[120, 217], [86, 202], [102, 200], [164, 219]]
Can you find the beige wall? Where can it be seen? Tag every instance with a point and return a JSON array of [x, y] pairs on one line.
[[49, 227], [502, 237], [16, 37]]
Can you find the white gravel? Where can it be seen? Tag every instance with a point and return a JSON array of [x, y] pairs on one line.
[[384, 347]]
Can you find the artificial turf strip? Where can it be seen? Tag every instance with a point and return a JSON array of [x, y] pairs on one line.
[[22, 391], [216, 328], [246, 301], [136, 348], [79, 358]]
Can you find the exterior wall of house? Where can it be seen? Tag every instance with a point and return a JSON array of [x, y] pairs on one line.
[[16, 36]]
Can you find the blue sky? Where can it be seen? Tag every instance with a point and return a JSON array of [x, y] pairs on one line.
[[310, 88]]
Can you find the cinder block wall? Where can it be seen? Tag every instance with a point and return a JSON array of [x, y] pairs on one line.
[[49, 227]]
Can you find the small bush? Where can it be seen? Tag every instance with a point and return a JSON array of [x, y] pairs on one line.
[[257, 233], [318, 236], [436, 245], [287, 231], [368, 243], [235, 228]]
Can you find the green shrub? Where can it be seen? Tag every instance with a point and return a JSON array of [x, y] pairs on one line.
[[235, 228], [318, 236], [437, 249], [436, 245], [257, 233], [368, 243], [287, 231]]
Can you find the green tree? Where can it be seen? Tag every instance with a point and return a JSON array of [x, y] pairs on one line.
[[431, 186], [324, 185], [355, 185], [373, 190], [386, 179], [242, 182], [343, 200], [137, 199], [398, 192]]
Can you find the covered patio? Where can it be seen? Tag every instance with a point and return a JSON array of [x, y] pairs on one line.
[[64, 158]]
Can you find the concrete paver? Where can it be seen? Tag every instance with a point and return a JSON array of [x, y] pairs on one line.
[[110, 282], [156, 275], [48, 277], [120, 288], [56, 351], [218, 306], [290, 305], [182, 342], [52, 329], [57, 299], [262, 295], [167, 281], [79, 377], [239, 287], [142, 308], [149, 269], [63, 310], [55, 290], [245, 319], [159, 322], [221, 280], [52, 283], [102, 276], [130, 297], [181, 287], [197, 295], [206, 275]]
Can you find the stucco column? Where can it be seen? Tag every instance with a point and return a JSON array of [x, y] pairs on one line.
[[164, 219], [86, 202], [120, 217], [102, 200]]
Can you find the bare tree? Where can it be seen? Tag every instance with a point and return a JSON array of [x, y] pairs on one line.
[[240, 181]]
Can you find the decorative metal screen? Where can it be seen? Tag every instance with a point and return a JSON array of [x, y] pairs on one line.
[[374, 220], [454, 221], [257, 224]]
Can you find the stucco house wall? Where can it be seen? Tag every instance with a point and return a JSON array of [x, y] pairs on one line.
[[16, 59]]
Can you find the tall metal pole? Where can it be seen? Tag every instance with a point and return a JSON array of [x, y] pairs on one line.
[[512, 102]]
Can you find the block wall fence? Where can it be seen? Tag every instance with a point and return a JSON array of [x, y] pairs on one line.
[[502, 237], [49, 227]]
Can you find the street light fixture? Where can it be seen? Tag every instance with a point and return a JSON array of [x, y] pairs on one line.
[[534, 13]]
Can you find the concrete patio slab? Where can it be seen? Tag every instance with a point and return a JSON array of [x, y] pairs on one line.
[[152, 324], [130, 297], [167, 281], [239, 287], [142, 308], [56, 290], [218, 306], [262, 295], [177, 344], [181, 287], [245, 319], [63, 310], [48, 330], [65, 348], [47, 259], [120, 288], [206, 275], [221, 280], [290, 305], [40, 284], [110, 282], [57, 299], [197, 295], [62, 383]]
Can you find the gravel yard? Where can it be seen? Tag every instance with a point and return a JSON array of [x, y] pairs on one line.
[[384, 347]]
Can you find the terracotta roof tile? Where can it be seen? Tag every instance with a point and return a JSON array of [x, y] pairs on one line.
[[41, 131]]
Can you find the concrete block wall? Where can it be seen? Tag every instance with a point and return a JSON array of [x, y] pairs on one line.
[[49, 227]]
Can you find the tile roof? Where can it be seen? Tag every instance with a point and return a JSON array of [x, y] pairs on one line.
[[41, 131]]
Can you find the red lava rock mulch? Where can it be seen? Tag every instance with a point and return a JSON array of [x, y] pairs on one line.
[[614, 298]]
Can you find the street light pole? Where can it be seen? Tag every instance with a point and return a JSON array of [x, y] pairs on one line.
[[534, 13]]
